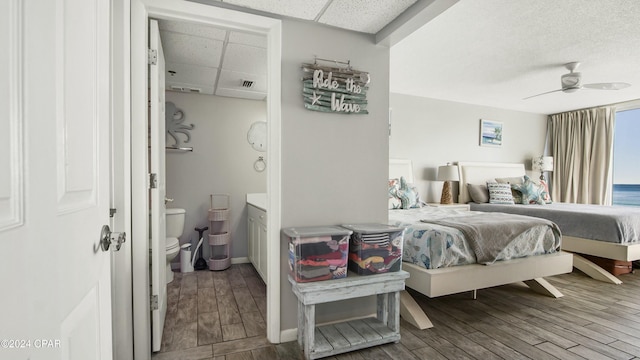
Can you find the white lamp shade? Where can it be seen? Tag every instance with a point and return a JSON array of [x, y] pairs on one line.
[[542, 163], [448, 173]]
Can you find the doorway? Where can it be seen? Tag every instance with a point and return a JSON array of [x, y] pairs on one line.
[[141, 11]]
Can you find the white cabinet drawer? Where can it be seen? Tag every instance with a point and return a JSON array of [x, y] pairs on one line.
[[257, 214]]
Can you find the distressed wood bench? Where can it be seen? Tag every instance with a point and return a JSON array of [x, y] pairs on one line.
[[328, 340]]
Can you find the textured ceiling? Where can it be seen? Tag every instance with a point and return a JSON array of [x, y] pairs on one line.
[[491, 52], [211, 61], [368, 16], [497, 52]]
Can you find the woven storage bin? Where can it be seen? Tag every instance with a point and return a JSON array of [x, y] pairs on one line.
[[218, 214], [219, 262], [219, 239], [219, 233]]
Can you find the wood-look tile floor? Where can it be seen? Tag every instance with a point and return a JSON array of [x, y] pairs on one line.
[[220, 315]]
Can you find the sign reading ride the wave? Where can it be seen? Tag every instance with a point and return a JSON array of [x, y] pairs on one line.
[[338, 90]]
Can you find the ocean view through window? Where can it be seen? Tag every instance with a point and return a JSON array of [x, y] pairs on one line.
[[626, 167]]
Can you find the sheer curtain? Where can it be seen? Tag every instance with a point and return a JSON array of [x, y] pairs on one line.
[[581, 143]]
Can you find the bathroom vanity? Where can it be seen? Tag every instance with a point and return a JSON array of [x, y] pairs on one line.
[[257, 232]]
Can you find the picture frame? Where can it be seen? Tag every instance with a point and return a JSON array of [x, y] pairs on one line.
[[491, 133]]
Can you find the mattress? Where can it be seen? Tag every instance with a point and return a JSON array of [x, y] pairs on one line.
[[615, 224], [434, 246]]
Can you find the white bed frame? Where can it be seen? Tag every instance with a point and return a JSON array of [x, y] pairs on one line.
[[479, 173], [439, 282]]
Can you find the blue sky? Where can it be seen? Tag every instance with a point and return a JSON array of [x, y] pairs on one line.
[[626, 148]]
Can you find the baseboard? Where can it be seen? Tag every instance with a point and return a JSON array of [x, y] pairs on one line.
[[288, 335], [240, 260]]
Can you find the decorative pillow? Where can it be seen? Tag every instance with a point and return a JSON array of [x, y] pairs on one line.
[[546, 196], [394, 200], [500, 193], [531, 192], [408, 195], [479, 193], [517, 195]]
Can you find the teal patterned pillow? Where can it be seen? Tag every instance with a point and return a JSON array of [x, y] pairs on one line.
[[500, 193], [532, 193], [408, 195]]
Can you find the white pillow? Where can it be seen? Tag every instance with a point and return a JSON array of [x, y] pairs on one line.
[[500, 193]]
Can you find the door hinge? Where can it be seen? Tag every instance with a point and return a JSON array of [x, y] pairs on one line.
[[154, 302], [153, 181], [152, 57]]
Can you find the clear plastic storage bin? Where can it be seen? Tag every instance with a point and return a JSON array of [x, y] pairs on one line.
[[317, 253], [375, 248]]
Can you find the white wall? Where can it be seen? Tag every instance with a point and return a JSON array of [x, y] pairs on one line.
[[433, 132], [221, 162], [334, 167]]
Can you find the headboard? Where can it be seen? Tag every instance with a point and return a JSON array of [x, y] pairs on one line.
[[401, 167], [480, 173]]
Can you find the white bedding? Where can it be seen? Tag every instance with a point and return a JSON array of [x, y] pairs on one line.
[[433, 246]]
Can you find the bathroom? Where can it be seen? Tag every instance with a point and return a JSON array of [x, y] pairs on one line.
[[213, 155], [205, 69]]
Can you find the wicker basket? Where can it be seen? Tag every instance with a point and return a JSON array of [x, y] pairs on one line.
[[219, 263], [219, 238], [218, 214], [219, 234]]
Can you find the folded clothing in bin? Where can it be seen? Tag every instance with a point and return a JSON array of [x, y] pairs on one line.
[[375, 248], [317, 253]]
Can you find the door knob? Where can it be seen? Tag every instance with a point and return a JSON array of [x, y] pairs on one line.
[[107, 238]]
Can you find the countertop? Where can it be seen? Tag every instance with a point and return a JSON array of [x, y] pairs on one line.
[[258, 200]]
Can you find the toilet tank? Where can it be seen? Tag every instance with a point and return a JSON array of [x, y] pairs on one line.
[[175, 222]]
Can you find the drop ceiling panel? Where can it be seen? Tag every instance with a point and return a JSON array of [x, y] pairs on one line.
[[230, 84], [186, 49], [192, 29], [248, 39], [363, 15], [307, 10], [247, 59], [191, 76]]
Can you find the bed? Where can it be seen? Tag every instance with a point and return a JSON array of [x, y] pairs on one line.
[[471, 277], [606, 239]]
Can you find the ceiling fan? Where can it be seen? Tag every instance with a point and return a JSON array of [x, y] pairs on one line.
[[572, 82]]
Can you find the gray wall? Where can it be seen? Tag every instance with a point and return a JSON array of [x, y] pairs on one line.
[[433, 132], [222, 162], [334, 167]]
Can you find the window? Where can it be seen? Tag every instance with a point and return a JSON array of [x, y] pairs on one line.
[[626, 167]]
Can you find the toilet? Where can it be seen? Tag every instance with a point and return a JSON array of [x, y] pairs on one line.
[[174, 227]]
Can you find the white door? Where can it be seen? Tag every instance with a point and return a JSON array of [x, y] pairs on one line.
[[54, 179], [158, 191]]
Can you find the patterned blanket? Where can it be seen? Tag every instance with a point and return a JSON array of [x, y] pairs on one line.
[[489, 234]]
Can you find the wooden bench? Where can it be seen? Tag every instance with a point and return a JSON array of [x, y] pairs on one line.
[[353, 335]]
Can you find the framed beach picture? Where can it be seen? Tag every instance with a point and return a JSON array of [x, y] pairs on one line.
[[490, 133]]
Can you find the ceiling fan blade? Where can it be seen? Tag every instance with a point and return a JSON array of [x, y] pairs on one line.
[[607, 86], [544, 93]]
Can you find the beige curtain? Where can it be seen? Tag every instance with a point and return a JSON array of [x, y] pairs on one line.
[[581, 143]]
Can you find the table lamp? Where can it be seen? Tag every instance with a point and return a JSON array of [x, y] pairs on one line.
[[542, 164], [447, 173]]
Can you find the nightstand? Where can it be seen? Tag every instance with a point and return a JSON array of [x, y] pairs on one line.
[[455, 206]]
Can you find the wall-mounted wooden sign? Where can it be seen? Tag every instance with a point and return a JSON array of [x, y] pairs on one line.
[[335, 89]]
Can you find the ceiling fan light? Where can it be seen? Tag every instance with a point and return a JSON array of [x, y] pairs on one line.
[[571, 89]]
